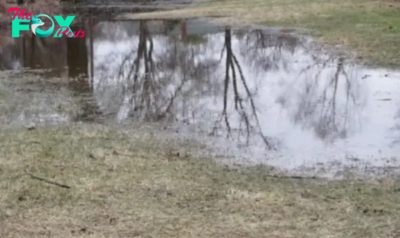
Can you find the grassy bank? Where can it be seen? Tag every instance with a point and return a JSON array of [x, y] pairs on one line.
[[133, 186], [370, 28], [373, 33]]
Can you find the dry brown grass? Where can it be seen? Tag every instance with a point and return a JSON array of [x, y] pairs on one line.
[[130, 185]]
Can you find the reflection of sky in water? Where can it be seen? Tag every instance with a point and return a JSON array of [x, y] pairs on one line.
[[297, 99]]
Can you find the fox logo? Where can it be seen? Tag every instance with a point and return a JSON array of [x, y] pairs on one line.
[[36, 22]]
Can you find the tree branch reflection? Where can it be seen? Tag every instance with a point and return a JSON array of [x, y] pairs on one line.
[[158, 80], [269, 50], [233, 66], [329, 107]]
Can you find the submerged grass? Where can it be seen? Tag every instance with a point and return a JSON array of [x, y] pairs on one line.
[[370, 28], [130, 185]]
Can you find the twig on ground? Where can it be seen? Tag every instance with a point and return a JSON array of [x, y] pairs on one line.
[[291, 177], [46, 180]]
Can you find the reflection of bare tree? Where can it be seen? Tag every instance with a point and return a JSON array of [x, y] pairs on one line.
[[162, 84], [182, 67], [318, 104], [146, 89], [268, 49], [233, 71], [154, 84], [128, 75]]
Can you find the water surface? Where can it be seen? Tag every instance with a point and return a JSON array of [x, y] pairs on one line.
[[265, 95]]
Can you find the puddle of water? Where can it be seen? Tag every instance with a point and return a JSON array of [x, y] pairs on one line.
[[261, 94]]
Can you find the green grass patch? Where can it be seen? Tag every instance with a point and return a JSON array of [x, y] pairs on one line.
[[373, 33], [196, 40]]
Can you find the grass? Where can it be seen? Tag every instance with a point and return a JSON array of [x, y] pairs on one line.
[[370, 28], [373, 33], [131, 185]]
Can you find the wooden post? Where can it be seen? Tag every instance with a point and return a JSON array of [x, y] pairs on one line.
[[91, 53], [184, 31]]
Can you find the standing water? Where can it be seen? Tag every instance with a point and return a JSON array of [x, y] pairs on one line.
[[254, 95]]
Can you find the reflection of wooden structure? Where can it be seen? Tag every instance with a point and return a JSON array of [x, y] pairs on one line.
[[74, 56], [77, 55], [91, 50], [60, 55], [43, 53], [184, 30], [20, 2]]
